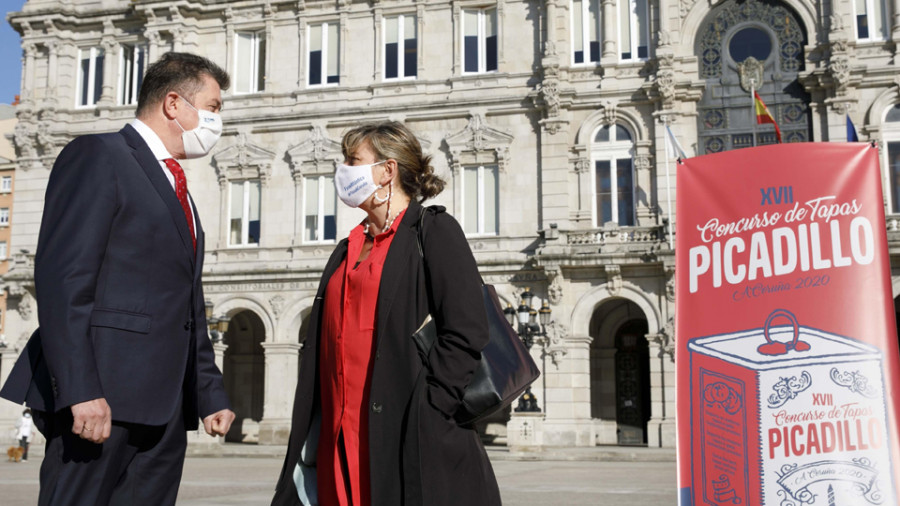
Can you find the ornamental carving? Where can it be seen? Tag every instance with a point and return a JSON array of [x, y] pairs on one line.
[[665, 85], [479, 143], [550, 96], [318, 154], [553, 345], [610, 113], [751, 73], [790, 38], [243, 160], [665, 339], [555, 289], [22, 138], [277, 302], [614, 279], [839, 67]]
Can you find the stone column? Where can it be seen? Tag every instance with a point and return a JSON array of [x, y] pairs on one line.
[[52, 58], [110, 70], [153, 46], [29, 51], [219, 349], [661, 427], [609, 30], [282, 371], [567, 405]]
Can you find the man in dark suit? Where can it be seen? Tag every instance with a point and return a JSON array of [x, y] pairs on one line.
[[122, 364]]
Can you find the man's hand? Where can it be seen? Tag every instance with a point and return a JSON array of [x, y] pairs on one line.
[[218, 424], [92, 420]]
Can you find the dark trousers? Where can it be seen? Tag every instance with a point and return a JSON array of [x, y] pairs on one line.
[[137, 465], [24, 444]]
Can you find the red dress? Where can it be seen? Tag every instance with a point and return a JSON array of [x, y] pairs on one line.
[[345, 369]]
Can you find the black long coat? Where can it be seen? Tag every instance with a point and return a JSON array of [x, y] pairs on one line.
[[418, 454]]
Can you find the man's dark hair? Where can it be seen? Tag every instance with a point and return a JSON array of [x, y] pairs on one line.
[[179, 72]]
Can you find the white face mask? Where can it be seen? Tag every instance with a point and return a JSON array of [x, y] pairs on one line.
[[354, 183], [199, 141]]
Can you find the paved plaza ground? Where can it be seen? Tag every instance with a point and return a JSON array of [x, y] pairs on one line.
[[637, 477]]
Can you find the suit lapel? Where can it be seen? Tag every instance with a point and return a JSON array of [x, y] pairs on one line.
[[396, 263], [151, 167]]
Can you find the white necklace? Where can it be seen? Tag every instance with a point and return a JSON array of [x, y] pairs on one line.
[[387, 224]]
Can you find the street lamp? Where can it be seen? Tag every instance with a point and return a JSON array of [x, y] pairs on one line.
[[530, 326], [217, 326]]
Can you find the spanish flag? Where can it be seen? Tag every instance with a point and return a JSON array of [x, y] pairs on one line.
[[764, 116]]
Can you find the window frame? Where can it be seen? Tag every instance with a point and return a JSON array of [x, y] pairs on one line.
[[95, 81], [245, 213], [482, 40], [480, 203], [322, 180], [585, 32], [258, 68], [634, 32], [131, 81], [401, 48], [612, 151], [325, 52], [890, 134], [4, 251], [871, 7], [4, 187]]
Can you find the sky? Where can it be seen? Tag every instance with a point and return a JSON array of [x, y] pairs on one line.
[[10, 54]]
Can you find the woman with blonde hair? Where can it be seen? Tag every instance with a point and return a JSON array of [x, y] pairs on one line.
[[373, 418]]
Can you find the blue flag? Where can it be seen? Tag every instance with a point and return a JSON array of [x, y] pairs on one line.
[[851, 131]]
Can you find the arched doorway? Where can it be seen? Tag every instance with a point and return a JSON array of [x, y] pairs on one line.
[[245, 375], [620, 369], [744, 43]]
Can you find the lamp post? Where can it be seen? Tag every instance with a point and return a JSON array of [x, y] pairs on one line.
[[531, 324], [218, 326]]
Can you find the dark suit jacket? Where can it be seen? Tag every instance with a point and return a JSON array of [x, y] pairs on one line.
[[120, 304], [418, 455]]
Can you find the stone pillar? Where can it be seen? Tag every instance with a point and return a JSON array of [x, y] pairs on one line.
[[53, 56], [567, 419], [555, 192], [110, 70], [29, 51], [153, 46], [609, 30], [219, 349], [661, 427], [282, 371]]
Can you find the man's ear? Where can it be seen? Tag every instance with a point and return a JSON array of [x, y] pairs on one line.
[[170, 105]]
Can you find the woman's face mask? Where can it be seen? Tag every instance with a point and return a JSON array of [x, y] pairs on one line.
[[199, 141], [354, 183]]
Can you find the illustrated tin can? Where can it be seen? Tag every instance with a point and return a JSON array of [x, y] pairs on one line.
[[788, 415]]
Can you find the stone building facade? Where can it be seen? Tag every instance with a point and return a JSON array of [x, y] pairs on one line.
[[546, 118]]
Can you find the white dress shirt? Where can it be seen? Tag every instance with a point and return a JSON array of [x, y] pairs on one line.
[[161, 153]]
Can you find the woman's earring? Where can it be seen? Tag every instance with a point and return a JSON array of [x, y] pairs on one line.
[[379, 200]]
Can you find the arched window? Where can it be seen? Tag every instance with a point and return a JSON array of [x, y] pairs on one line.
[[613, 176], [891, 137]]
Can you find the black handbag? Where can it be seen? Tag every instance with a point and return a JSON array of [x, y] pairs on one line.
[[506, 368]]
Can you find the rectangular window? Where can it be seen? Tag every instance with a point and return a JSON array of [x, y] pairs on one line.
[[244, 213], [586, 31], [132, 60], [480, 198], [324, 48], [614, 191], [249, 62], [893, 154], [319, 211], [4, 216], [634, 34], [3, 250], [479, 34], [90, 76], [400, 46], [6, 184], [870, 20]]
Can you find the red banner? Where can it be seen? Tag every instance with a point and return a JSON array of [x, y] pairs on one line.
[[787, 360]]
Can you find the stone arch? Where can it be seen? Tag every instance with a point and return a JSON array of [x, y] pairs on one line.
[[234, 304], [874, 119], [693, 21], [299, 311], [584, 309], [624, 116]]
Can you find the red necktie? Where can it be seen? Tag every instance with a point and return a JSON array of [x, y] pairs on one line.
[[182, 194]]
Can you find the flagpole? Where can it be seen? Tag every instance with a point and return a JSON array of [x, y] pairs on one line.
[[753, 108], [668, 183]]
